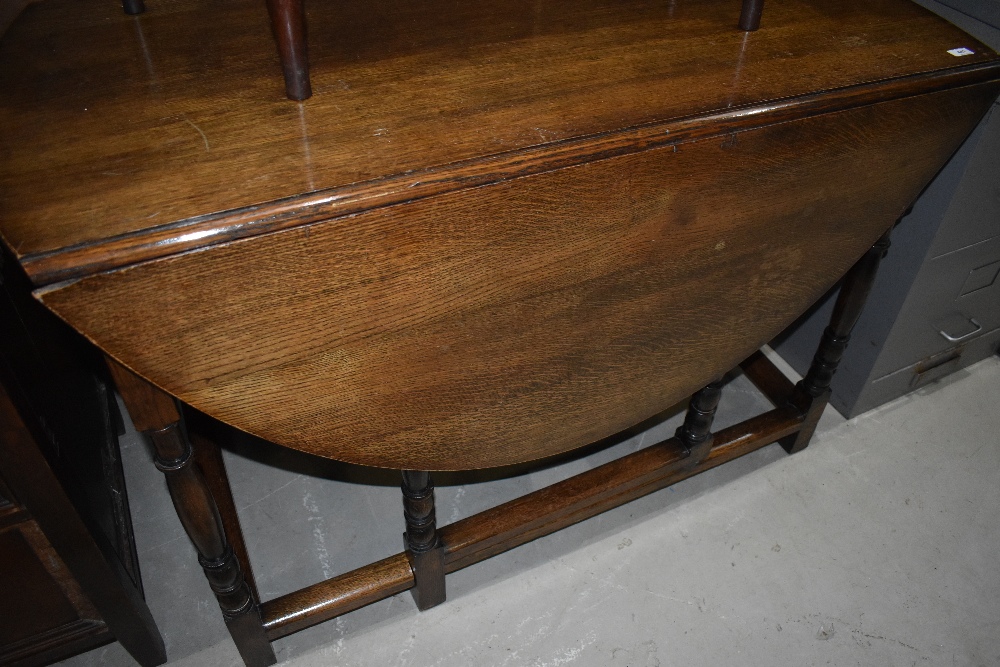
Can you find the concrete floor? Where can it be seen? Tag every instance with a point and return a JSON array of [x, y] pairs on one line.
[[875, 546]]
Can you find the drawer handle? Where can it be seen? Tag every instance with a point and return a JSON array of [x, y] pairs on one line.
[[955, 339]]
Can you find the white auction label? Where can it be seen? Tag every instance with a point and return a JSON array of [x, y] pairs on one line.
[[961, 51]]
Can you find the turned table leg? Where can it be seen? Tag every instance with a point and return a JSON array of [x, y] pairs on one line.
[[288, 21], [157, 416], [750, 14], [812, 393], [423, 546], [133, 7], [696, 431]]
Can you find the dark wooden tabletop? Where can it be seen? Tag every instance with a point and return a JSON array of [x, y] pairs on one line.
[[119, 134]]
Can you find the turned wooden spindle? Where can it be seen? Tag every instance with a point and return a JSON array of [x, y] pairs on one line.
[[156, 415], [812, 393], [750, 14], [288, 22], [696, 431], [133, 7], [422, 543]]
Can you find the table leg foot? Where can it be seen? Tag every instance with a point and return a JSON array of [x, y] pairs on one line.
[[423, 546], [133, 7], [696, 432], [750, 14], [812, 393], [288, 21]]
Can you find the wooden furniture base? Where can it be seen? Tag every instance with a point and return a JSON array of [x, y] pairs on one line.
[[208, 513], [476, 538], [158, 417]]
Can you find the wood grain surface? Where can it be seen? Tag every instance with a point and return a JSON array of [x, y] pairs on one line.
[[88, 598], [519, 521], [119, 134], [495, 233], [507, 323]]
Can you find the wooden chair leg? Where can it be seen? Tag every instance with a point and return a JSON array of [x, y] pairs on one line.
[[423, 547], [156, 414], [812, 393], [750, 14], [288, 21], [133, 7], [696, 431]]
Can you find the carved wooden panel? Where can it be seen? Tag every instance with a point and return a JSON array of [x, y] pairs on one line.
[[43, 605]]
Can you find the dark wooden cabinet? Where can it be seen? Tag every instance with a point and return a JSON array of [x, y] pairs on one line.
[[47, 615], [68, 570]]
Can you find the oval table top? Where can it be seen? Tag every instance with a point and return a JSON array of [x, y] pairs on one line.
[[495, 233]]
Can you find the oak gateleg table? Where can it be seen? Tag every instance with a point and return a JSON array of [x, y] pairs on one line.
[[496, 233]]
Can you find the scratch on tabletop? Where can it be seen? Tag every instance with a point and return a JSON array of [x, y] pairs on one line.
[[198, 130]]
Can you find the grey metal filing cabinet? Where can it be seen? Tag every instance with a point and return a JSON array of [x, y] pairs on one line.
[[935, 306]]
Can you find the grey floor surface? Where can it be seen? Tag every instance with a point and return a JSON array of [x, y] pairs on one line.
[[876, 546]]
